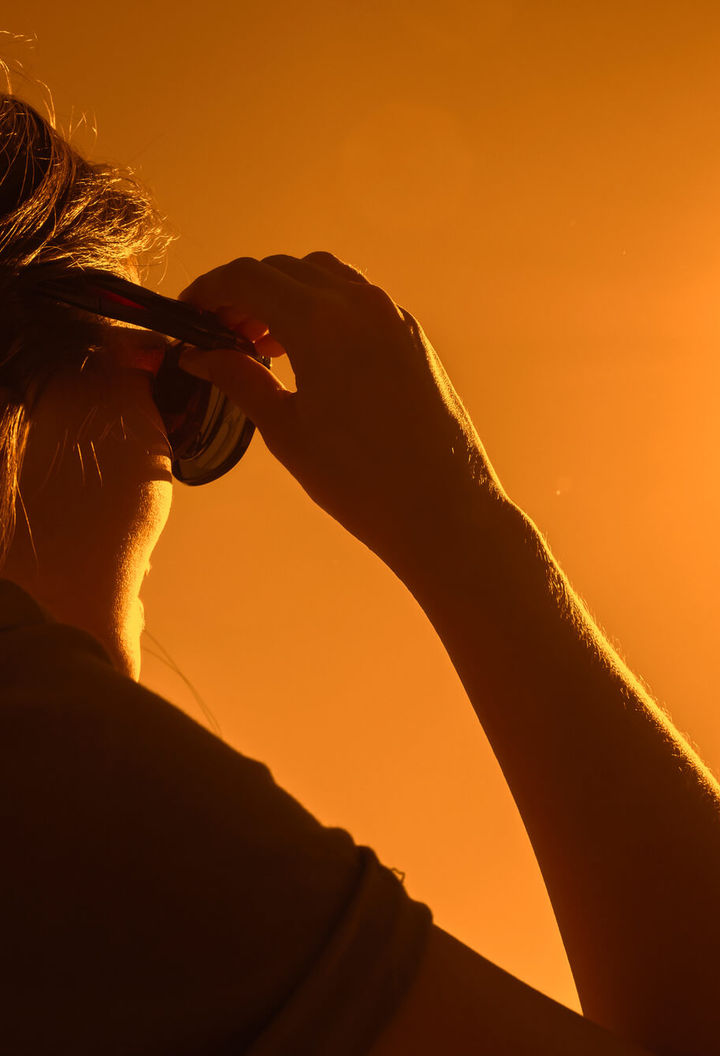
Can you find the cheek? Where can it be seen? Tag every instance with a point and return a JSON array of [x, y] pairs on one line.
[[131, 441], [147, 359], [158, 502], [126, 347], [156, 430], [152, 512], [132, 400]]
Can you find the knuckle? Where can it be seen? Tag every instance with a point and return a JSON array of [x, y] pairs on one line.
[[197, 282], [279, 258], [376, 297], [204, 289], [242, 264], [380, 307], [330, 262], [321, 256], [190, 292]]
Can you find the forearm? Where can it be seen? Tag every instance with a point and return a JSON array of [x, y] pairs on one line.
[[623, 817]]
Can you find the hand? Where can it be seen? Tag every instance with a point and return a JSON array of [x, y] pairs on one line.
[[375, 433]]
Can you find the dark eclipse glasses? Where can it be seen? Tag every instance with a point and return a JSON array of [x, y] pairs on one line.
[[208, 433]]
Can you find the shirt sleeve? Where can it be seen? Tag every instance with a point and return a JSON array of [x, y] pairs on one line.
[[162, 883], [360, 977]]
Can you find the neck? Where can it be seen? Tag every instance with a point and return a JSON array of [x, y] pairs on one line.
[[111, 611]]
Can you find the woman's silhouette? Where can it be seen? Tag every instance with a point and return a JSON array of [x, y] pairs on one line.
[[160, 894]]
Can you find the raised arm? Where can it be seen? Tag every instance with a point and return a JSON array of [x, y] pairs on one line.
[[623, 816]]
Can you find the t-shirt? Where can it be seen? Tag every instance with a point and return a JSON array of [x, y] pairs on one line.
[[159, 892]]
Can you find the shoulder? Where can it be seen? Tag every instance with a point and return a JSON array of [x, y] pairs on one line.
[[461, 1004]]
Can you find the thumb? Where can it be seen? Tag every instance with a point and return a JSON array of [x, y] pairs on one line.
[[245, 381]]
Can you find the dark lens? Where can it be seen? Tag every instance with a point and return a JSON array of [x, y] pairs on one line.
[[182, 401], [207, 432]]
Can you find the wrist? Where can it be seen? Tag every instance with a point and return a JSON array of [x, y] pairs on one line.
[[479, 551], [447, 534]]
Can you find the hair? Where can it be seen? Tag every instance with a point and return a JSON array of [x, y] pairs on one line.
[[56, 209]]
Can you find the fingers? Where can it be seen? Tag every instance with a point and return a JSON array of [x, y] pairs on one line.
[[268, 346], [337, 267], [254, 289], [319, 269], [281, 293], [253, 329], [250, 288], [249, 384]]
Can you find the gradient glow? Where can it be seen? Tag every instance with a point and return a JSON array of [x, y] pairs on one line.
[[539, 186]]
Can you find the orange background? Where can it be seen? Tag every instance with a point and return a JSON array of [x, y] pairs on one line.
[[538, 184]]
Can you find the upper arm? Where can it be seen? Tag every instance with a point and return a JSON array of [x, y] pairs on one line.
[[461, 1004], [159, 885]]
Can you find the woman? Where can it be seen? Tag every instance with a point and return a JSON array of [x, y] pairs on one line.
[[161, 894]]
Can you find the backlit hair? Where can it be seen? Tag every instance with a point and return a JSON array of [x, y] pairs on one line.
[[55, 208]]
